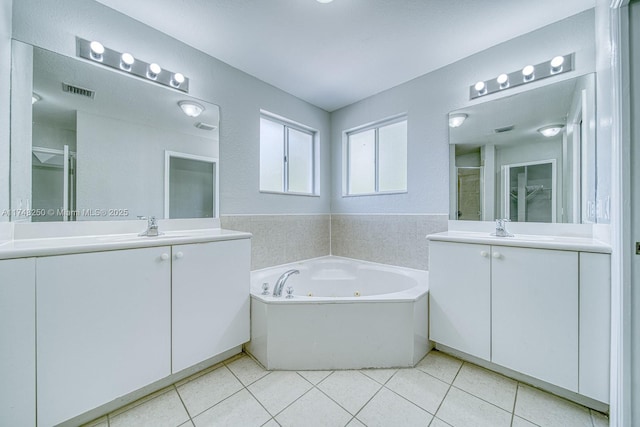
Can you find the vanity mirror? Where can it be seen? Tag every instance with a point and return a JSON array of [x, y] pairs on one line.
[[90, 143], [529, 157]]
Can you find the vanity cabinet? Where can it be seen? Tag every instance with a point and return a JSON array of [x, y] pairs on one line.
[[540, 312], [18, 342], [210, 300], [103, 328]]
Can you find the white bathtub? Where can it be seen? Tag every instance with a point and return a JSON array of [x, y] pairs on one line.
[[345, 314]]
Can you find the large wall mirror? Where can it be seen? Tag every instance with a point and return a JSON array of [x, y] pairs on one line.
[[89, 143], [529, 157]]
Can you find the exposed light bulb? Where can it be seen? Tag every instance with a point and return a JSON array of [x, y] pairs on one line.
[[481, 88], [97, 50], [153, 71], [556, 64], [126, 61], [503, 81], [456, 119], [191, 109], [527, 73], [177, 79]]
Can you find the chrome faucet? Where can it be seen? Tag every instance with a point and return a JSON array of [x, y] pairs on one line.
[[501, 228], [152, 227], [277, 289]]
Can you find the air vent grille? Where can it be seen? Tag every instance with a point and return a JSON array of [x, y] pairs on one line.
[[504, 129], [204, 126], [76, 90]]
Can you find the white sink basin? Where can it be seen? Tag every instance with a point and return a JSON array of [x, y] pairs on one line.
[[136, 237]]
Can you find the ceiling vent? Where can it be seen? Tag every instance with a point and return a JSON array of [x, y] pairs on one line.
[[204, 126], [66, 87], [504, 129]]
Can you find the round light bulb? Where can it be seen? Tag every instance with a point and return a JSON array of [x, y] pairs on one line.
[[177, 79], [503, 80], [126, 61], [527, 72], [97, 49], [154, 70], [556, 64], [481, 88]]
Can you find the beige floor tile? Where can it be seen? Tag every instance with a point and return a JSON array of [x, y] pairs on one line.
[[440, 365], [350, 389], [355, 423], [599, 419], [380, 375], [314, 377], [164, 410], [241, 409], [418, 387], [487, 385], [521, 422], [279, 389], [388, 409], [271, 423], [247, 370], [314, 409], [437, 422], [461, 409], [548, 410], [207, 390]]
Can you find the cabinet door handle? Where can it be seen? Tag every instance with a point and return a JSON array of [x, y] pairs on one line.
[[164, 257], [497, 255], [179, 255], [484, 254]]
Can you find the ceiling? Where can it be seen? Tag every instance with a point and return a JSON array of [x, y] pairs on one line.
[[334, 54]]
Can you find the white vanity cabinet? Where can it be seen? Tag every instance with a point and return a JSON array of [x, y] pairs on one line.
[[103, 322], [210, 300], [540, 311], [460, 297], [18, 342]]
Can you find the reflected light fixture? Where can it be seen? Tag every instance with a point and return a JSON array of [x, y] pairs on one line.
[[324, 1], [456, 119], [97, 53], [35, 98], [551, 130], [190, 108], [528, 74]]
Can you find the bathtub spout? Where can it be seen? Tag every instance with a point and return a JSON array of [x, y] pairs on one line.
[[277, 289]]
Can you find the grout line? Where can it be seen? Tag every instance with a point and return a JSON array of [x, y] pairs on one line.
[[515, 400], [297, 398], [182, 401], [448, 390]]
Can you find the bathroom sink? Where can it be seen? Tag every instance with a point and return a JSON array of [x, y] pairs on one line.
[[136, 237]]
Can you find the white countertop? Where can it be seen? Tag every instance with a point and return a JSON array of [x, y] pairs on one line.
[[566, 243], [21, 248]]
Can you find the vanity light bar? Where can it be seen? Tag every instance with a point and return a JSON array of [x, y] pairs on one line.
[[528, 74], [127, 63]]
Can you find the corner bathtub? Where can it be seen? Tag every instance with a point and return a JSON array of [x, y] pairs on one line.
[[344, 314]]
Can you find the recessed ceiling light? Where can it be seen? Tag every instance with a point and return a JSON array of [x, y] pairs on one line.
[[191, 109], [456, 119], [551, 130]]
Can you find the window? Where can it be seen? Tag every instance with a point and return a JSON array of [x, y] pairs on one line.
[[287, 157], [376, 159]]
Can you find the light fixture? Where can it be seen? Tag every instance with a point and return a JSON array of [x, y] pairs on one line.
[[456, 119], [324, 1], [97, 50], [177, 79], [503, 81], [556, 64], [551, 130], [126, 61], [190, 108], [153, 70], [35, 98], [530, 73]]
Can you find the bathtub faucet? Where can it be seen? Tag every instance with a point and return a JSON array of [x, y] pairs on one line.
[[277, 289]]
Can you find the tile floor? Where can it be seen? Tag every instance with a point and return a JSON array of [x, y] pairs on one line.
[[440, 391]]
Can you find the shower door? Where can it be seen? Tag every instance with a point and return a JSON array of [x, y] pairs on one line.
[[53, 184], [529, 191]]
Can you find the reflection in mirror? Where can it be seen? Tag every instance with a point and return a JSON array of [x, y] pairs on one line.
[[529, 157], [91, 142], [190, 186]]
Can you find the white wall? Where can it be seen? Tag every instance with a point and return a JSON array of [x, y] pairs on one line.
[[54, 26], [5, 90], [429, 98]]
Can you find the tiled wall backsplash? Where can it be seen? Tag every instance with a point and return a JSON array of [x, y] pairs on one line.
[[388, 239], [281, 239]]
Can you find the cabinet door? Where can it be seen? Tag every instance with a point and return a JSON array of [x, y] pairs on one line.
[[460, 297], [535, 313], [210, 300], [103, 328], [595, 324], [18, 342]]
